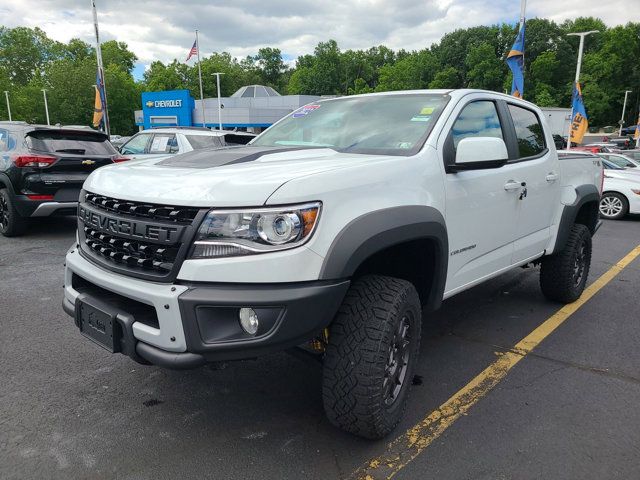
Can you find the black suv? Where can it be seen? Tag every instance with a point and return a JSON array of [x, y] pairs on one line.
[[42, 170]]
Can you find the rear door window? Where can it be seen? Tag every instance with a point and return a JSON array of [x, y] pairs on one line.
[[164, 143], [198, 142], [137, 145], [79, 143], [528, 132]]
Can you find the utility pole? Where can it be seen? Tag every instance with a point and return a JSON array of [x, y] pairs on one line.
[[6, 95], [200, 78], [582, 35], [46, 106], [217, 74], [624, 107]]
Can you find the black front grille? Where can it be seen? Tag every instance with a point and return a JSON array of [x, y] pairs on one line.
[[128, 250], [134, 254], [182, 215]]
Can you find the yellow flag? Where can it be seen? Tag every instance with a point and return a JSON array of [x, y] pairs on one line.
[[98, 111]]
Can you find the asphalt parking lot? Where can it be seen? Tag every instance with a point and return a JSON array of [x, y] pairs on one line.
[[569, 409]]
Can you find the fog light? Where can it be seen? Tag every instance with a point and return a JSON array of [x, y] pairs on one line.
[[249, 320]]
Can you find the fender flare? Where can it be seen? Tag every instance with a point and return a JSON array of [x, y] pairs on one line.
[[6, 181], [381, 229], [584, 194]]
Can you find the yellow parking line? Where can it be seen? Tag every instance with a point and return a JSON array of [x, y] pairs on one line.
[[408, 446]]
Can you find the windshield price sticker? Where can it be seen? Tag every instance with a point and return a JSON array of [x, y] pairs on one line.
[[304, 111], [424, 115]]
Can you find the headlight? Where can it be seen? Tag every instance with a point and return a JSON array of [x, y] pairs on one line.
[[229, 233]]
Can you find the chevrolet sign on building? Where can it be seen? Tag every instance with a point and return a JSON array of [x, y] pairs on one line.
[[253, 107], [167, 109], [165, 103]]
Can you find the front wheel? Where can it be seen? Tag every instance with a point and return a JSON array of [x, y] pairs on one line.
[[371, 355], [613, 206], [563, 275]]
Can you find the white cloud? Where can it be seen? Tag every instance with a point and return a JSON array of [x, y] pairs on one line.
[[160, 30]]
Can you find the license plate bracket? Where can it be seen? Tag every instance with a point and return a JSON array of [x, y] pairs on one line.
[[98, 325]]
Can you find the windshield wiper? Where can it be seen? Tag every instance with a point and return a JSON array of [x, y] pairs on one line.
[[79, 151]]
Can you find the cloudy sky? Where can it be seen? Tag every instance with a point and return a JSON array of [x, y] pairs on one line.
[[163, 30]]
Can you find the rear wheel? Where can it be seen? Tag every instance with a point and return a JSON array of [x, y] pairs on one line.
[[563, 275], [11, 223], [613, 206], [371, 355]]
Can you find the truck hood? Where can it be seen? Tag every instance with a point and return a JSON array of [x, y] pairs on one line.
[[238, 176]]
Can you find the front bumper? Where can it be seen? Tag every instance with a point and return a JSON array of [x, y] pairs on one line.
[[185, 325]]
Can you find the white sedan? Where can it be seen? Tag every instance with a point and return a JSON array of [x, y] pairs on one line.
[[165, 142], [621, 186], [621, 193]]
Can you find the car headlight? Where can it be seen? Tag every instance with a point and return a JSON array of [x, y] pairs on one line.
[[229, 233]]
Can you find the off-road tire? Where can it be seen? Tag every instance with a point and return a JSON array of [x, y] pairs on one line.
[[613, 206], [563, 275], [11, 223], [375, 311]]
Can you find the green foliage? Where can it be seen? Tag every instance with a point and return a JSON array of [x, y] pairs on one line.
[[31, 62], [117, 54], [484, 69], [414, 71], [447, 78], [360, 86]]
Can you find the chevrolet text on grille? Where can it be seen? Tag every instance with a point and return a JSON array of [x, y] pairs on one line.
[[129, 228]]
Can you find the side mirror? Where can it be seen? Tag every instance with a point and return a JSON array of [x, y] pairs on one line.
[[474, 153]]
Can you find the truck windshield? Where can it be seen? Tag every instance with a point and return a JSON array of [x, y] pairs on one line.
[[378, 124]]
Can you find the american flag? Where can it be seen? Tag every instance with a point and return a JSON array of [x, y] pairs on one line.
[[193, 51]]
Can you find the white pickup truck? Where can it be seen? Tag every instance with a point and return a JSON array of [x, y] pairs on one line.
[[338, 228]]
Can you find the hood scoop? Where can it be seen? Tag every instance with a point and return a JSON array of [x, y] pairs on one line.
[[222, 156]]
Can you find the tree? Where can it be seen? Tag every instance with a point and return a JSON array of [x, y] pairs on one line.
[[415, 70], [270, 67], [118, 54], [447, 78], [360, 86], [320, 73], [123, 99], [24, 52], [484, 69]]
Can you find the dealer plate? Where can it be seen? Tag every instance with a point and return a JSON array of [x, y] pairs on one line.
[[98, 326]]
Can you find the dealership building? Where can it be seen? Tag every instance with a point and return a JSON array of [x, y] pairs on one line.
[[252, 108]]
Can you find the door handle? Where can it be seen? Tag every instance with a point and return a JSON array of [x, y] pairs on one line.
[[552, 177], [512, 186]]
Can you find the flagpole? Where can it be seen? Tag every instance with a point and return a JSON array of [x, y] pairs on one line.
[[582, 35], [105, 110], [523, 8], [200, 78]]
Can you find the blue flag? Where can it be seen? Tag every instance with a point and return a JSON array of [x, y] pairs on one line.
[[515, 61], [579, 123]]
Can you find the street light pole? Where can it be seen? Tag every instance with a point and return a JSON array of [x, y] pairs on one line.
[[624, 107], [582, 35], [46, 106], [6, 95], [217, 74]]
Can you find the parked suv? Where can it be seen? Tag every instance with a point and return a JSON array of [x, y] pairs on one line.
[[337, 228], [42, 170], [161, 143]]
